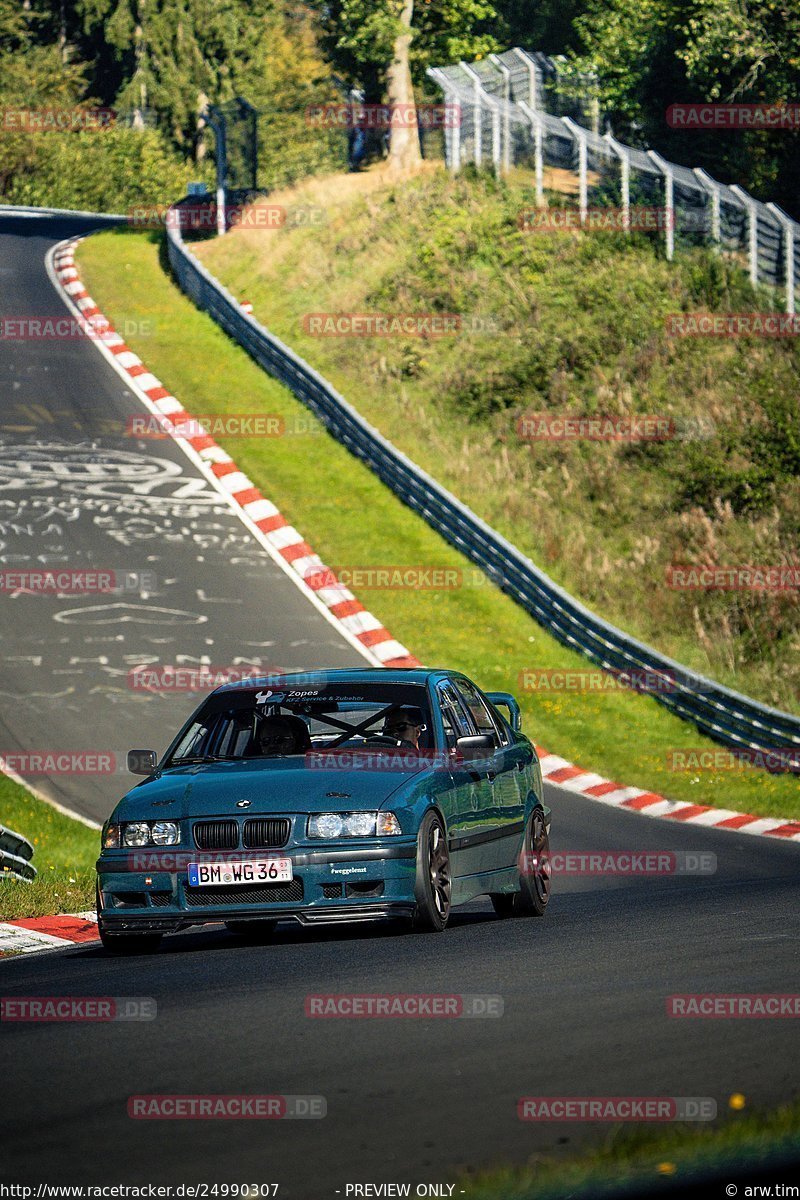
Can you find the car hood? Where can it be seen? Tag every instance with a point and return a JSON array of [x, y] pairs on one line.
[[277, 785]]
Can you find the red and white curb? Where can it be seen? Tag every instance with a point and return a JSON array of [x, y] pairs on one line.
[[30, 934], [650, 804], [375, 641], [285, 544]]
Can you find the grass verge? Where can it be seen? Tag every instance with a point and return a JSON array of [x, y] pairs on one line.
[[349, 517], [64, 854], [629, 1160]]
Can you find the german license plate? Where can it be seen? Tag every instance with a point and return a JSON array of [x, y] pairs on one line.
[[260, 870]]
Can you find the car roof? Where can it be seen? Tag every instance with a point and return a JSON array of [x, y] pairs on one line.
[[416, 675]]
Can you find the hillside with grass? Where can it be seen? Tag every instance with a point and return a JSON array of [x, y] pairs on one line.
[[562, 324]]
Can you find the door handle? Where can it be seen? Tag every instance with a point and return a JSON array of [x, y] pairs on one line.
[[490, 774], [521, 764]]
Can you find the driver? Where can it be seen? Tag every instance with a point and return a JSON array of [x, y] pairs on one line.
[[405, 725], [278, 736]]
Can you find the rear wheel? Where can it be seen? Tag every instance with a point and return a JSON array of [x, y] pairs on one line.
[[252, 931], [530, 900], [130, 943], [433, 887]]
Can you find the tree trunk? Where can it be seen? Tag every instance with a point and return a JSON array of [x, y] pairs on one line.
[[404, 149]]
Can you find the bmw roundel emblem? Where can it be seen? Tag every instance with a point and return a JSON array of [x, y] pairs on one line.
[[242, 803]]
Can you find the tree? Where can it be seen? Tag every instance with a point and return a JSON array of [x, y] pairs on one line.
[[385, 46], [661, 52]]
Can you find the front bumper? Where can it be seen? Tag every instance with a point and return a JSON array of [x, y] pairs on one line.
[[330, 885]]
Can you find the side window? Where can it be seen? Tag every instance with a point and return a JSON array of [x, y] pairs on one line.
[[479, 711], [455, 719]]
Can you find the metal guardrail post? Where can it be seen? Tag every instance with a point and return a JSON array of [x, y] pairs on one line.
[[506, 73], [477, 116], [788, 226], [623, 155], [669, 201], [216, 119], [533, 77], [579, 136], [538, 151], [751, 209], [711, 186]]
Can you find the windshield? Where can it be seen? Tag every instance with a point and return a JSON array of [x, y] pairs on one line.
[[282, 723]]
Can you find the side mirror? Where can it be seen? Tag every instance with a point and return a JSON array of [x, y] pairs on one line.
[[142, 762], [479, 745]]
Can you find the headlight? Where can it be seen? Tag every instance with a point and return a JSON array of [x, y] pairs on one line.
[[165, 833], [111, 838], [325, 825], [137, 834], [355, 825], [360, 825]]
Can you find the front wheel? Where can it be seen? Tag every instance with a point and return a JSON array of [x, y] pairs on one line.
[[129, 943], [433, 887]]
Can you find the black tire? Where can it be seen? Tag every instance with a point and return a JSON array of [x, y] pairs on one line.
[[130, 943], [252, 931], [534, 879], [503, 903], [433, 885]]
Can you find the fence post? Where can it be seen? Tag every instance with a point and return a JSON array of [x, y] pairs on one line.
[[533, 81], [538, 150], [669, 196], [216, 119], [788, 226], [711, 186], [751, 208], [579, 136], [477, 117], [506, 72], [625, 178]]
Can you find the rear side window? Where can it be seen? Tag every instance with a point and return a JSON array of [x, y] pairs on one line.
[[454, 717], [480, 712]]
